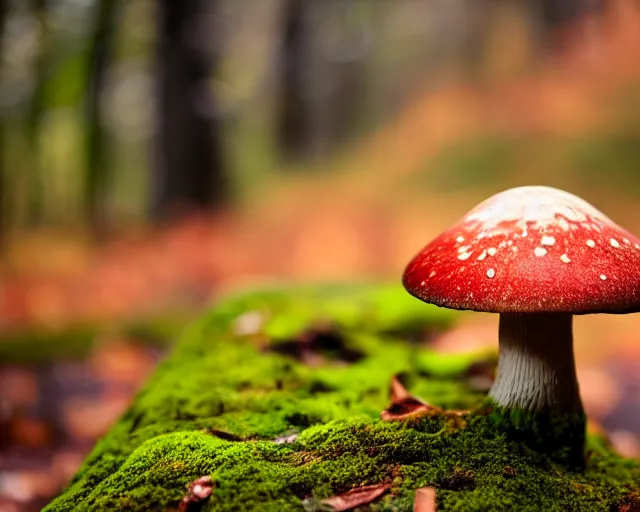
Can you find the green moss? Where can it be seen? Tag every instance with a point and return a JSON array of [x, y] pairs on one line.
[[219, 403], [562, 437]]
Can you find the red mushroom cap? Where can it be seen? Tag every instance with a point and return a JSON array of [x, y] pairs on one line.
[[530, 250]]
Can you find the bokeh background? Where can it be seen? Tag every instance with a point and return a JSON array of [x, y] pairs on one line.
[[156, 154]]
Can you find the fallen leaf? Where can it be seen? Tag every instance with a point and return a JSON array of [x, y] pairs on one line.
[[425, 500], [197, 491], [403, 404], [397, 390], [356, 497]]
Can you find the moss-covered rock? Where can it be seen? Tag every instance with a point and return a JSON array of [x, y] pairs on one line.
[[277, 394]]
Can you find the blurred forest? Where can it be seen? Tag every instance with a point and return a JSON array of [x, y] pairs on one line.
[[155, 154]]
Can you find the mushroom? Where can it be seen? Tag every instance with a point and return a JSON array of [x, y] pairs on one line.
[[537, 256]]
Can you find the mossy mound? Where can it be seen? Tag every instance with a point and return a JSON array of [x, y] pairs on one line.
[[276, 395]]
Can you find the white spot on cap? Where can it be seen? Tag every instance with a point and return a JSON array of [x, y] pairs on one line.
[[539, 251], [491, 272], [464, 248], [565, 258], [614, 242], [564, 225], [547, 240], [591, 243], [423, 283], [603, 277], [464, 256], [626, 241], [482, 256], [460, 239], [432, 273], [492, 251]]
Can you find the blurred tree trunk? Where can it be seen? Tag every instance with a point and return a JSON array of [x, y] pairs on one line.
[[96, 143], [190, 168], [34, 185], [3, 171], [322, 77], [294, 130], [346, 69]]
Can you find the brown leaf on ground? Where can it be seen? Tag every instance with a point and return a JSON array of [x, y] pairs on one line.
[[404, 405], [197, 491], [397, 390], [425, 500], [356, 497]]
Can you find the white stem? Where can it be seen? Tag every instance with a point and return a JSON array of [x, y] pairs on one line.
[[536, 369]]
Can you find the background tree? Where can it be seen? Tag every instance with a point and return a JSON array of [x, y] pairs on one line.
[[100, 50], [323, 76], [190, 168], [3, 171]]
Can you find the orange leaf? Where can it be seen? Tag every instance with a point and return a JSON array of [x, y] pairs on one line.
[[403, 404]]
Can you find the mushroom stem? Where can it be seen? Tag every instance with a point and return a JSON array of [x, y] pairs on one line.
[[536, 369]]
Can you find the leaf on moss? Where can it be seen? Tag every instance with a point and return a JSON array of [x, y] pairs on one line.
[[197, 491], [425, 500], [356, 497], [404, 404]]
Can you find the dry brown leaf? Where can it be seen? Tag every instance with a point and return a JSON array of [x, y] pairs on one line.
[[197, 491], [404, 405], [397, 390], [356, 497], [425, 500]]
